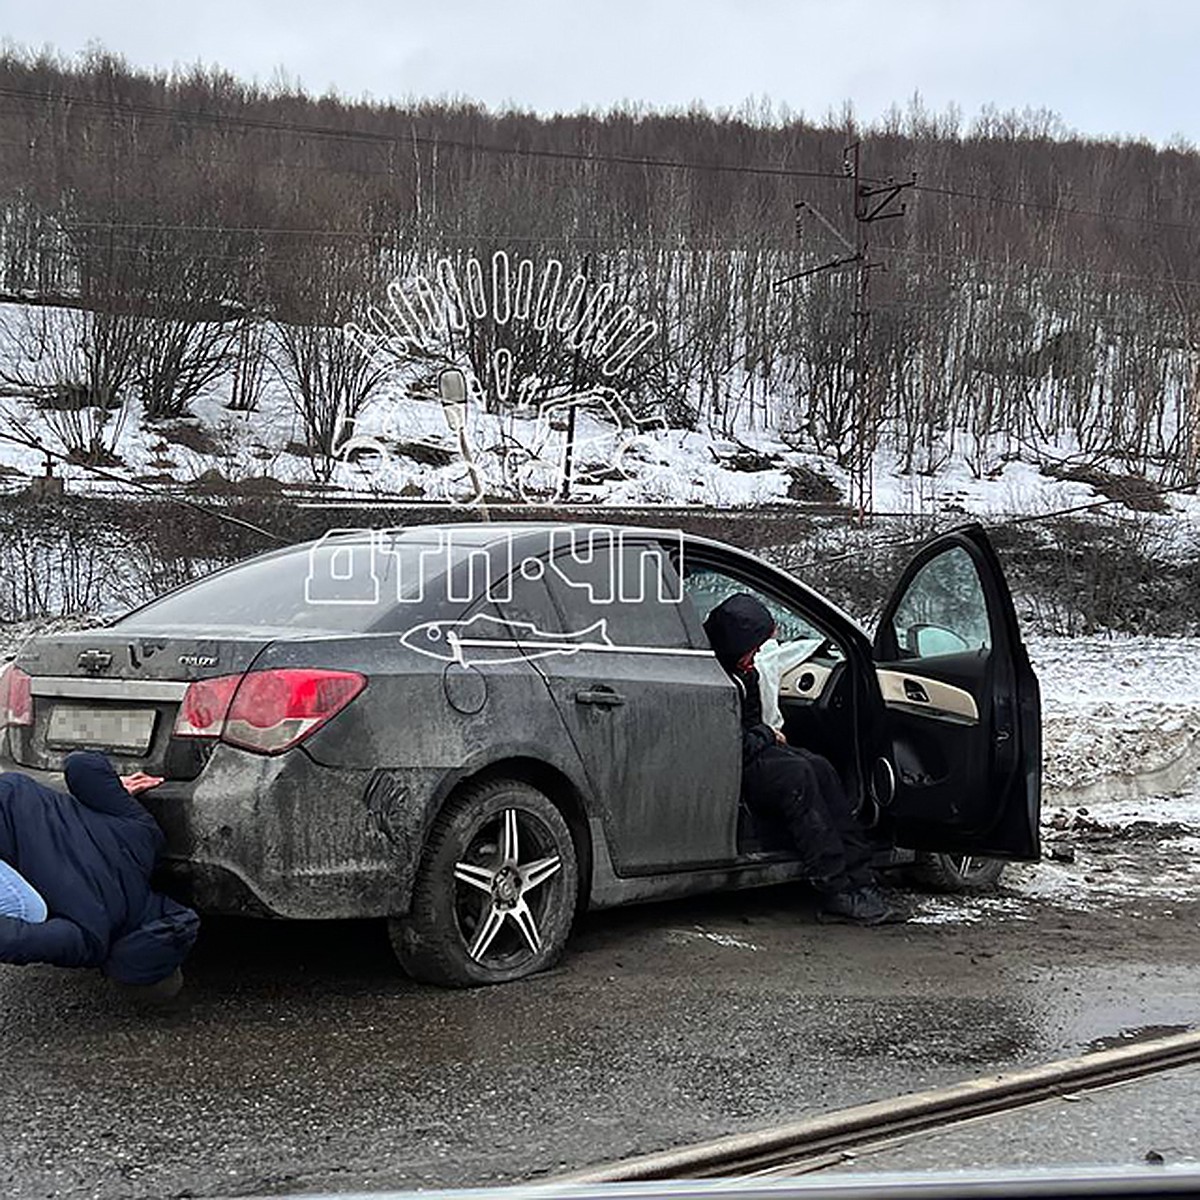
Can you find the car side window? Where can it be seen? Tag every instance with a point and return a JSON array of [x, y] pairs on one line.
[[633, 589], [706, 587], [944, 609], [524, 598]]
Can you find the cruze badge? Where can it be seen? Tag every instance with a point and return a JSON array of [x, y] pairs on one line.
[[197, 660]]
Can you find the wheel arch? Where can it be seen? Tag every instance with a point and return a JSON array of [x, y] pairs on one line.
[[551, 781]]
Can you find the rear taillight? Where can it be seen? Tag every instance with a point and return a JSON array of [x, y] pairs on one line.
[[16, 703], [273, 710], [266, 711], [205, 703]]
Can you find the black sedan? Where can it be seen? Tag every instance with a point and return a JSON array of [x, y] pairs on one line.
[[476, 730]]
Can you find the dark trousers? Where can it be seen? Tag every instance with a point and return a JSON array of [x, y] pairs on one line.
[[801, 792]]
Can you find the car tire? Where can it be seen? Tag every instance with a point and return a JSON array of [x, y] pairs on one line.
[[956, 872], [495, 895]]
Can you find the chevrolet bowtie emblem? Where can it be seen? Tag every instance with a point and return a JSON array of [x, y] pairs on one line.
[[93, 661]]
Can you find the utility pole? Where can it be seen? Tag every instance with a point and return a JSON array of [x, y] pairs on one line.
[[576, 380], [871, 203]]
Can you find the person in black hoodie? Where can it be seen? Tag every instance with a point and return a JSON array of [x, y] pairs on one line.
[[88, 856], [795, 788]]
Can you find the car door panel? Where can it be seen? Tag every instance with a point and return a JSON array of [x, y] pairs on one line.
[[804, 683], [967, 755], [923, 696], [658, 739], [654, 720]]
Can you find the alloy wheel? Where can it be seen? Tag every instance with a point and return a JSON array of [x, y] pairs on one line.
[[504, 887]]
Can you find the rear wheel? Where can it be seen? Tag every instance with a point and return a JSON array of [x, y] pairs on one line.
[[495, 896], [956, 872]]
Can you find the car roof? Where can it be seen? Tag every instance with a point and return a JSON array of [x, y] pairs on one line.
[[488, 533], [533, 534]]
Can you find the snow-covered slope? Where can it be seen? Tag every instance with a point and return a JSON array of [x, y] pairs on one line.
[[405, 446]]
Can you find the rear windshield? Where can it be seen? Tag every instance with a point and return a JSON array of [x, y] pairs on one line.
[[351, 587]]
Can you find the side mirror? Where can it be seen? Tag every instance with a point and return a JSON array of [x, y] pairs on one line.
[[930, 641], [452, 388]]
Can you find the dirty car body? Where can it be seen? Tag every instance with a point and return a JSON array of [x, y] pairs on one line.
[[473, 730]]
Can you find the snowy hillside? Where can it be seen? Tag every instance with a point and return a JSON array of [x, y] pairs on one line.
[[403, 446]]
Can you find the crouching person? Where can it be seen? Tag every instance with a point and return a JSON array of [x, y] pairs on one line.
[[795, 788], [75, 879]]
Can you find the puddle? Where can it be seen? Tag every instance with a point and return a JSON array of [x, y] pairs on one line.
[[1138, 1033]]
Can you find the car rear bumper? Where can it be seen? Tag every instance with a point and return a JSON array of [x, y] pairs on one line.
[[286, 837]]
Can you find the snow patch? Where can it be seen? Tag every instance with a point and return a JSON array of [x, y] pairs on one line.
[[677, 466], [727, 940], [967, 910], [1117, 712]]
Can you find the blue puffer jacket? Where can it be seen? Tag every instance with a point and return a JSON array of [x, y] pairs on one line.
[[90, 855]]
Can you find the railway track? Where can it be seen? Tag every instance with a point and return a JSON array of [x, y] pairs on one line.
[[808, 1145]]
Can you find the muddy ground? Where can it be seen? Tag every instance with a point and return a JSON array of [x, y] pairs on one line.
[[301, 1060]]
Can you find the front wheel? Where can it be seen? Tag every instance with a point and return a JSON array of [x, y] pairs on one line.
[[495, 895], [956, 872]]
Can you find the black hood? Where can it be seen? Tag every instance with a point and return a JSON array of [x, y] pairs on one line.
[[737, 625]]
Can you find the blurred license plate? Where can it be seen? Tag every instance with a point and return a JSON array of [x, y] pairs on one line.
[[127, 729]]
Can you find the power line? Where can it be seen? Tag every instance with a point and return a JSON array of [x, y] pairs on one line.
[[627, 243], [998, 268], [405, 139], [155, 154], [632, 241], [359, 171], [281, 230], [1017, 268], [1058, 209]]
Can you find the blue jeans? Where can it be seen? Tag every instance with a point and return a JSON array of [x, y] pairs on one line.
[[18, 899]]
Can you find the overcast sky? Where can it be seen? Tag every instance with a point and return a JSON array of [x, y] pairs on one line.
[[1124, 67]]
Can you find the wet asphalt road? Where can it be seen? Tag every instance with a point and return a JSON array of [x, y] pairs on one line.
[[302, 1060], [1149, 1121]]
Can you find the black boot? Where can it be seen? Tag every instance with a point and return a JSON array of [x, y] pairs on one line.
[[865, 904]]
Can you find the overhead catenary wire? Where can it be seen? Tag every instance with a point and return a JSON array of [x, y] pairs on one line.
[[1014, 269], [469, 238], [405, 139], [1056, 209]]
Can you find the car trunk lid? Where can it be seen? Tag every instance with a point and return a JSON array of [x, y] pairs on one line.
[[119, 692]]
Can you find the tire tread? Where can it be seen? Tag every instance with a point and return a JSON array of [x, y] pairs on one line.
[[933, 872], [427, 945]]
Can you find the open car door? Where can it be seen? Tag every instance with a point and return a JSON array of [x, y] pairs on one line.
[[962, 706]]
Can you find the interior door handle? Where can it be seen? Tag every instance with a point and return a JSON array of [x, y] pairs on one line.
[[603, 696], [914, 691]]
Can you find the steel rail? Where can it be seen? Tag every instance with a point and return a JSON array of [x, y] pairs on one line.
[[791, 1146]]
